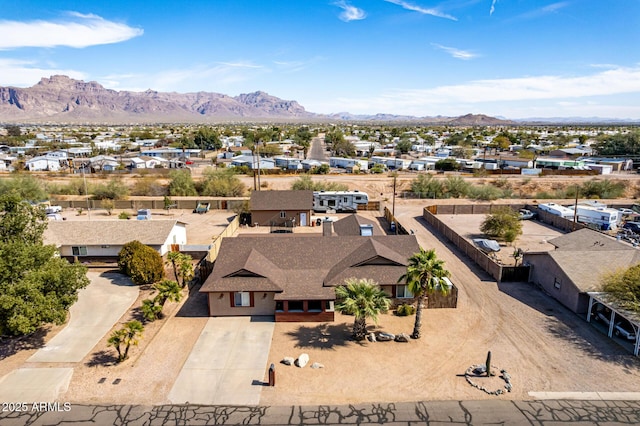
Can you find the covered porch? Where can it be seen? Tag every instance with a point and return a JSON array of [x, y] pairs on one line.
[[618, 323]]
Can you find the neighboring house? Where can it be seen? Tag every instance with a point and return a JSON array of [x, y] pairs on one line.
[[169, 153], [105, 238], [253, 163], [577, 265], [154, 162], [281, 208], [293, 278], [43, 163], [103, 163]]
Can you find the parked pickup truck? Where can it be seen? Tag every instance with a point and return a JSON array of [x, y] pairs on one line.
[[53, 209], [526, 214]]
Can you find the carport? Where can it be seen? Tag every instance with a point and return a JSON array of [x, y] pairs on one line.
[[616, 312]]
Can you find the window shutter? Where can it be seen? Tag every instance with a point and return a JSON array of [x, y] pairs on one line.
[[251, 301], [232, 300]]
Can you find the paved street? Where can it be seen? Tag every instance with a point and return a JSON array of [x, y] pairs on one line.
[[542, 413]]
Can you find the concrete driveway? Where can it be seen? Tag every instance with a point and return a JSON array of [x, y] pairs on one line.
[[228, 363], [100, 305]]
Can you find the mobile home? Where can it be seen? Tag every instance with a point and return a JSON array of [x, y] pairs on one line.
[[604, 217], [339, 201]]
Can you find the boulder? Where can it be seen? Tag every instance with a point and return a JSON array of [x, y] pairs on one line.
[[302, 360], [371, 337], [402, 337], [288, 360], [317, 365], [385, 337]]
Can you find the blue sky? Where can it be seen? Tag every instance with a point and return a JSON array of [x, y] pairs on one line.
[[509, 58]]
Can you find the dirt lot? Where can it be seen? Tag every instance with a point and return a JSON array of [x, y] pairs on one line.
[[534, 236]]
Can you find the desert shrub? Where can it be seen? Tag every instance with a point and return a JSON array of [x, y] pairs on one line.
[[181, 184], [485, 192], [27, 186], [124, 215], [74, 187], [221, 183], [502, 224], [427, 185], [502, 182], [140, 262], [112, 190], [148, 186], [405, 310], [306, 183], [602, 189], [456, 187]]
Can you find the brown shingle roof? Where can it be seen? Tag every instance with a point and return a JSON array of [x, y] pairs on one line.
[[281, 200], [588, 240], [350, 225], [307, 267], [108, 232]]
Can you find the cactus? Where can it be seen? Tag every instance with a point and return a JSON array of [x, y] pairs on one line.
[[488, 364]]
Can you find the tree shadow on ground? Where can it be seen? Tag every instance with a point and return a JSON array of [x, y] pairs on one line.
[[103, 359], [322, 336], [564, 324], [10, 345], [195, 305]]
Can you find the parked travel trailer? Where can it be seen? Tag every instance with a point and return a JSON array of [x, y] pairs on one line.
[[557, 210], [339, 201], [604, 217]]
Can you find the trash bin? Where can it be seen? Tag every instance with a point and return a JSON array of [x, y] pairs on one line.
[[393, 227], [272, 375]]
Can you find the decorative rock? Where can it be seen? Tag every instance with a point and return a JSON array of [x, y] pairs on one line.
[[372, 337], [385, 337], [317, 365], [402, 337], [302, 360], [288, 360]]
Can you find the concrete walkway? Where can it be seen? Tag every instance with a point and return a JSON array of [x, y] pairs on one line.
[[100, 305], [228, 363]]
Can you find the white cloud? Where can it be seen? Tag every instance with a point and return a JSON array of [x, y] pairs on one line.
[[75, 31], [349, 12], [456, 53], [493, 7], [545, 91], [21, 73], [420, 9]]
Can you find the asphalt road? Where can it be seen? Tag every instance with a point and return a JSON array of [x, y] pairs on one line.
[[541, 413], [317, 151]]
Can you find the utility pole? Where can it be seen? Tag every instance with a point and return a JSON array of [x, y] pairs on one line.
[[575, 210], [393, 205]]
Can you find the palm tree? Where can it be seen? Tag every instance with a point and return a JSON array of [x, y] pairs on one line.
[[167, 290], [362, 298], [182, 266], [126, 336], [423, 277]]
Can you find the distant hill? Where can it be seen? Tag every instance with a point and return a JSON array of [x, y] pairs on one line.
[[60, 99]]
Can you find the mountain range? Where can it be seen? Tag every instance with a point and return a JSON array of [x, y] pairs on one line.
[[60, 99]]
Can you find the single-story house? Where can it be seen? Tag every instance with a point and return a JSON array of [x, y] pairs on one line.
[[103, 239], [293, 278], [43, 163], [577, 265], [281, 208]]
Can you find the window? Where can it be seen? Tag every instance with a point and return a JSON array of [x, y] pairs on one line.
[[345, 200], [328, 306], [557, 283], [241, 298], [283, 214], [280, 306], [315, 306], [402, 292], [296, 306], [79, 250]]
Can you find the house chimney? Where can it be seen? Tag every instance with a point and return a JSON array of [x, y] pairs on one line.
[[327, 228]]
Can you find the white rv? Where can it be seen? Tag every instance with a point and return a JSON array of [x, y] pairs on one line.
[[339, 201], [605, 218], [557, 210]]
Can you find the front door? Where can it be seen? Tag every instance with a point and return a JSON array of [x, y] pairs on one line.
[[303, 219]]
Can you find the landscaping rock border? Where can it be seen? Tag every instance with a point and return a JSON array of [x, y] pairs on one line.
[[503, 375]]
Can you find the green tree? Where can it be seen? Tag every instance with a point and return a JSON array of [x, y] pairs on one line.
[[115, 189], [363, 299], [404, 146], [207, 138], [456, 187], [502, 224], [624, 285], [27, 187], [423, 277], [447, 165], [222, 183], [182, 265], [181, 184], [306, 183], [36, 285], [428, 186], [122, 339], [142, 263]]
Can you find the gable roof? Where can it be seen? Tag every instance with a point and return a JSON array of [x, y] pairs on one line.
[[307, 267], [108, 232], [588, 240], [350, 225], [281, 200]]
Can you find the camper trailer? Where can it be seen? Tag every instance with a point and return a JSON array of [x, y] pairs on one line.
[[557, 210], [605, 218], [339, 201]]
